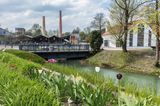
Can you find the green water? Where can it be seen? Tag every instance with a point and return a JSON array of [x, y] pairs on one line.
[[141, 81]]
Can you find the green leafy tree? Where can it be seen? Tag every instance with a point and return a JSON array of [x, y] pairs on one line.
[[96, 41], [82, 35]]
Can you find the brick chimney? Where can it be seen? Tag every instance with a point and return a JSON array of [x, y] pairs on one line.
[[43, 25], [60, 23]]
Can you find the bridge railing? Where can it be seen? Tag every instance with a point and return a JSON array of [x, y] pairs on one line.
[[54, 48]]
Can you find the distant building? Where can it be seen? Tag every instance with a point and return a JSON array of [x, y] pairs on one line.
[[20, 31], [4, 32], [35, 28], [74, 38]]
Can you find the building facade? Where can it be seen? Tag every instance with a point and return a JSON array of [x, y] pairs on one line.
[[139, 36], [20, 31], [4, 32]]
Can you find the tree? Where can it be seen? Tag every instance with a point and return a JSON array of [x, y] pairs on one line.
[[76, 31], [82, 35], [96, 41], [128, 7], [117, 31], [67, 33], [115, 26], [158, 33], [152, 16], [37, 32], [87, 30], [99, 22]]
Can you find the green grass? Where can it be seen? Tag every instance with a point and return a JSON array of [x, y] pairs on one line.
[[26, 55], [16, 89], [91, 77], [140, 61], [17, 77]]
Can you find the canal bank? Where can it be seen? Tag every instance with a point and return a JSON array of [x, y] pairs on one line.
[[90, 76], [139, 61]]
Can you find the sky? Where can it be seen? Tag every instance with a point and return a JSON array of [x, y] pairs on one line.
[[25, 13]]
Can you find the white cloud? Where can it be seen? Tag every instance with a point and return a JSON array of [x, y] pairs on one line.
[[18, 13]]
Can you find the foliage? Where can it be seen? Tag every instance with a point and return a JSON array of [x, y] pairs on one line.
[[78, 91], [82, 36], [96, 41], [18, 90], [26, 55], [130, 100], [76, 31]]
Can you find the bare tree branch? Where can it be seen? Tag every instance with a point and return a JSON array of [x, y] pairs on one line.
[[119, 5]]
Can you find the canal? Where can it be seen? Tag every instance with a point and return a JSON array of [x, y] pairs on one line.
[[147, 82]]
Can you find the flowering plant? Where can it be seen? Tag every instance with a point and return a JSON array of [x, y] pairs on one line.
[[52, 61]]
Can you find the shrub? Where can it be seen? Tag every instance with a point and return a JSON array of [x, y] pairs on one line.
[[96, 41]]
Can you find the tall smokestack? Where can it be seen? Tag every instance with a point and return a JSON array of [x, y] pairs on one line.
[[43, 25], [60, 23]]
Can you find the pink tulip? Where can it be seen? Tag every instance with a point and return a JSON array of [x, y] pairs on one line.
[[52, 61]]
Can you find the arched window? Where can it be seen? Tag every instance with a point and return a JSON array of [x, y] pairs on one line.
[[140, 39], [149, 38], [131, 38]]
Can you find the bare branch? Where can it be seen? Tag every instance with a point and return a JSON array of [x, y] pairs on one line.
[[139, 6], [119, 5]]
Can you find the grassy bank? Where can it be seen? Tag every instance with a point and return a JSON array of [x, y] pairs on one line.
[[19, 76], [16, 87], [21, 85], [141, 61]]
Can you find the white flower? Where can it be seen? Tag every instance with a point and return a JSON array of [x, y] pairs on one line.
[[40, 71], [97, 69], [3, 50], [70, 101]]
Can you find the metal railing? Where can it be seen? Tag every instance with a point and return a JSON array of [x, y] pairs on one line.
[[54, 47]]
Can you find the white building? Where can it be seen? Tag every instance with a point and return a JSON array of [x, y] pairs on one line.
[[139, 36]]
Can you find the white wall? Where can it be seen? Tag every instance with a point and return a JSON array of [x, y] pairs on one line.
[[112, 40]]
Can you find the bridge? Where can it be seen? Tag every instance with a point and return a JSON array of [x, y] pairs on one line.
[[58, 51]]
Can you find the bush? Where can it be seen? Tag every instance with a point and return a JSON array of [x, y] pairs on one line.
[[96, 41]]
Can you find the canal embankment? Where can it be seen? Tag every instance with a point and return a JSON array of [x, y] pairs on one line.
[[135, 61]]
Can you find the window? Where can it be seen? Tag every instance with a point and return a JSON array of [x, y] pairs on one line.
[[131, 38], [106, 43], [118, 43], [140, 39], [149, 38]]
